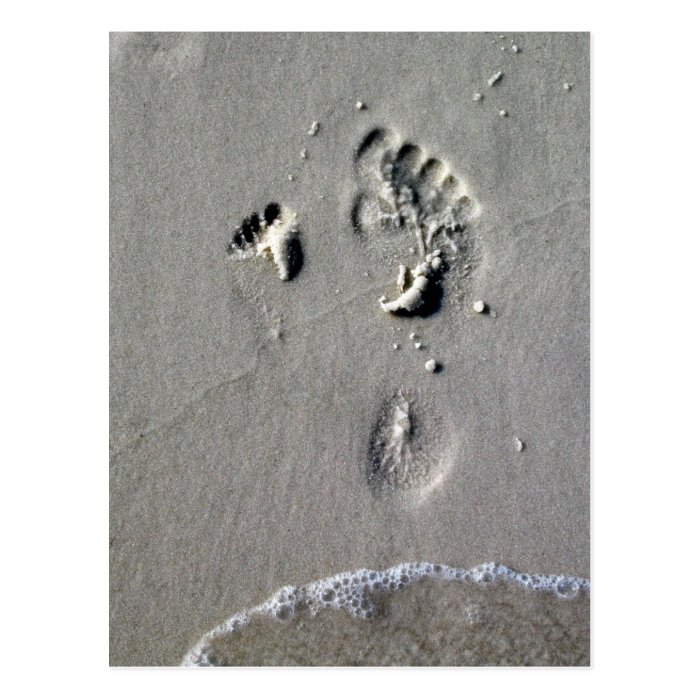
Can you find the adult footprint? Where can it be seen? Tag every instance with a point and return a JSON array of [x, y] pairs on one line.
[[411, 204], [404, 193]]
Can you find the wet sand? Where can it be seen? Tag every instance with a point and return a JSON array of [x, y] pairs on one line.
[[435, 623]]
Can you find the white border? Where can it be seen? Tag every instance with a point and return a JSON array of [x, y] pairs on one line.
[[55, 305]]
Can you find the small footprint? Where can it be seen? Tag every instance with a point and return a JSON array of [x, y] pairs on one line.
[[274, 236]]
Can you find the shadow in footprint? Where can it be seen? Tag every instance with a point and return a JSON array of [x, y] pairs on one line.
[[295, 257], [372, 139], [355, 215]]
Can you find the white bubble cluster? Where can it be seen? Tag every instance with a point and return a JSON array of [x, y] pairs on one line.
[[283, 604], [352, 592]]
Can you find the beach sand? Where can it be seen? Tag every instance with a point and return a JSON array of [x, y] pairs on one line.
[[244, 409]]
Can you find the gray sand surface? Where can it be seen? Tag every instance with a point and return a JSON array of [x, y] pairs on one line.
[[241, 406]]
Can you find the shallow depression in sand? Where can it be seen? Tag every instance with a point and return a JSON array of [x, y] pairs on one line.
[[410, 449]]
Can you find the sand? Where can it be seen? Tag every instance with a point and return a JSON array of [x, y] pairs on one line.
[[243, 407]]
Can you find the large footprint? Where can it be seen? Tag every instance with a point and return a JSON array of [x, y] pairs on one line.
[[408, 198], [411, 208]]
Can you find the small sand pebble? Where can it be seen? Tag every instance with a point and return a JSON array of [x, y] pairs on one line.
[[303, 153], [290, 178], [431, 365], [567, 86], [396, 346], [412, 251], [314, 129], [477, 97], [519, 444], [360, 105], [417, 345], [413, 335], [502, 112], [479, 306], [514, 48], [495, 78]]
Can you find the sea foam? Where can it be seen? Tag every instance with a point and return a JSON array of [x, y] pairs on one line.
[[351, 591]]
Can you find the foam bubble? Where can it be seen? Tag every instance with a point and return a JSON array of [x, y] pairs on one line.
[[567, 587]]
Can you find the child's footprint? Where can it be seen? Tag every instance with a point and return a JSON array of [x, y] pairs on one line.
[[273, 235]]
